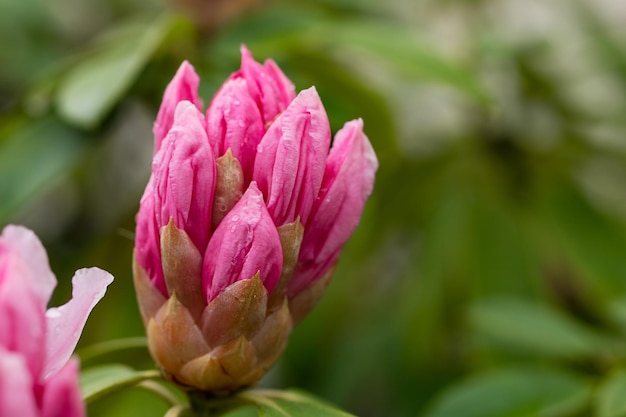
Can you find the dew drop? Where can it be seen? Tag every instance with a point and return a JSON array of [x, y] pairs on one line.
[[235, 218]]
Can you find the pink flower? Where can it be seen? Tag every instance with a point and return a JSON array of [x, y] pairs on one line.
[[37, 376], [242, 222]]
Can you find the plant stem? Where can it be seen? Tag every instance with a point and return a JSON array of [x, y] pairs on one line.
[[161, 391], [207, 405], [178, 411]]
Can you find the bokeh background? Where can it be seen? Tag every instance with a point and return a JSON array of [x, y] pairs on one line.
[[488, 275]]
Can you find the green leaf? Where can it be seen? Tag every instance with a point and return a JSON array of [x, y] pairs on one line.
[[611, 396], [514, 392], [300, 28], [93, 86], [536, 328], [102, 380], [400, 48], [243, 412], [592, 241], [111, 346], [34, 154], [273, 403], [609, 49]]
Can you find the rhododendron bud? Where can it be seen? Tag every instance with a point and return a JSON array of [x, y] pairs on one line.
[[242, 222], [37, 376], [184, 86]]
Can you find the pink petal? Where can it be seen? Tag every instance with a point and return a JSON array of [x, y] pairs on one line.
[[268, 86], [22, 315], [147, 241], [29, 247], [184, 172], [234, 122], [16, 387], [61, 393], [290, 160], [65, 323], [184, 86], [245, 243], [348, 182]]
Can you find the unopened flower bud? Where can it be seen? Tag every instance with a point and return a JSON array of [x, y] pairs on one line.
[[242, 222]]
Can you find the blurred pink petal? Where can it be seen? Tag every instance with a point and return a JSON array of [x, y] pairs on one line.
[[22, 323], [245, 242], [16, 387], [234, 122], [61, 393], [184, 174], [34, 344], [184, 86], [290, 161], [348, 182], [26, 243], [65, 323]]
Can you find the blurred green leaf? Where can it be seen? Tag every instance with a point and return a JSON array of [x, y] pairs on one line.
[[243, 412], [399, 48], [347, 97], [514, 392], [102, 380], [300, 28], [109, 346], [609, 49], [91, 88], [269, 32], [535, 328], [273, 403], [592, 241], [34, 154], [611, 396]]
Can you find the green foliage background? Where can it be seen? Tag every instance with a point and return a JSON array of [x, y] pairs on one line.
[[488, 275]]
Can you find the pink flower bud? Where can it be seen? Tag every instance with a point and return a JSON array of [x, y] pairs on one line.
[[37, 377], [267, 85], [234, 122], [290, 159], [222, 274], [184, 86], [184, 175], [181, 189], [245, 243], [348, 183]]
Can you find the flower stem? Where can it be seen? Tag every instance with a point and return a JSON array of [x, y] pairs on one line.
[[161, 391], [178, 411], [207, 405]]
